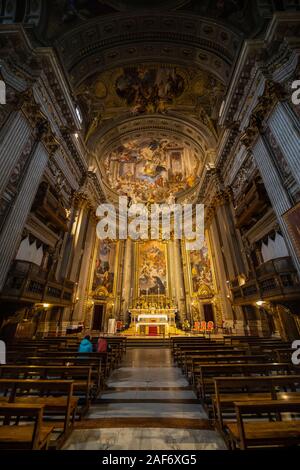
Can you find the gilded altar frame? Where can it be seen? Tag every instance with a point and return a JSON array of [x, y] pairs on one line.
[[137, 264]]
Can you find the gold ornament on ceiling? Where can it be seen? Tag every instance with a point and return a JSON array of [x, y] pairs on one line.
[[149, 89], [199, 87]]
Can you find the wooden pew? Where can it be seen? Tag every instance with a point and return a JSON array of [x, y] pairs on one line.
[[177, 343], [251, 339], [261, 433], [197, 363], [183, 353], [22, 436], [231, 389], [106, 365], [189, 357], [55, 395], [98, 371], [208, 372], [81, 376], [193, 344], [284, 355]]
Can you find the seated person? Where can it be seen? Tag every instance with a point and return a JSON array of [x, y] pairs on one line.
[[102, 345], [86, 345]]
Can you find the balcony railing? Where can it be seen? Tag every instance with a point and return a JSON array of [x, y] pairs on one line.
[[275, 280], [29, 283]]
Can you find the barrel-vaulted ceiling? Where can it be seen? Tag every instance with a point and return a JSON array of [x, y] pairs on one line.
[[150, 78], [154, 81], [151, 127]]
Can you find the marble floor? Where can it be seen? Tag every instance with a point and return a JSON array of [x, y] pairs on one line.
[[148, 405]]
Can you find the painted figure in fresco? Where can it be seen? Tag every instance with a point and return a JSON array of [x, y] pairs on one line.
[[104, 275], [149, 90], [150, 169], [200, 269], [152, 278]]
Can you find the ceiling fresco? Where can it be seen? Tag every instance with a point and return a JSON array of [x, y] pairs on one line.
[[150, 89], [146, 169]]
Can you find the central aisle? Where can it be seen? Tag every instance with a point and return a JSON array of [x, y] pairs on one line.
[[148, 405]]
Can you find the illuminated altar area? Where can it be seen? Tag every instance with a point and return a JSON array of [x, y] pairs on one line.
[[152, 285], [152, 288], [153, 315]]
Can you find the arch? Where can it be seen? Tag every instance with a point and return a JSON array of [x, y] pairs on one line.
[[188, 128]]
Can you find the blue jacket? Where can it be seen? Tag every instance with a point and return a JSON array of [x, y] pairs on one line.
[[85, 346]]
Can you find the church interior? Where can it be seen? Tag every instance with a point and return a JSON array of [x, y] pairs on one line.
[[174, 102]]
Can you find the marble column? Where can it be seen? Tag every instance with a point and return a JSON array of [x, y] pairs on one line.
[[224, 236], [12, 231], [86, 272], [127, 286], [220, 269], [79, 233], [277, 193], [172, 279], [67, 249], [287, 134], [230, 236], [178, 273], [119, 272]]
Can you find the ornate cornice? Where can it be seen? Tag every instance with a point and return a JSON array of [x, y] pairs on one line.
[[220, 198], [67, 136], [31, 109], [231, 141]]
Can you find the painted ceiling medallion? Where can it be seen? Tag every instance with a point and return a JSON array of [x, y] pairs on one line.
[[149, 90]]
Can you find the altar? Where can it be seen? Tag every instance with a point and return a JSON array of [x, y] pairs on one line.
[[153, 317]]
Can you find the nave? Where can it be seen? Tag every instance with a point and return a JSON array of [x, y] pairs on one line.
[[187, 393], [124, 126], [148, 405]]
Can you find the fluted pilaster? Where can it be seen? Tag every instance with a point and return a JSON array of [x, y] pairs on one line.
[[220, 268], [288, 137], [11, 233], [11, 145], [127, 287], [86, 272]]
